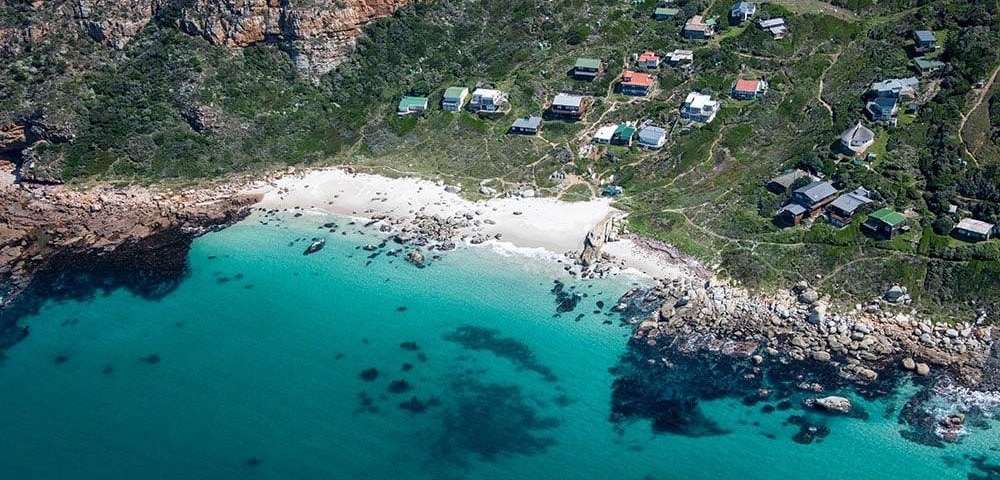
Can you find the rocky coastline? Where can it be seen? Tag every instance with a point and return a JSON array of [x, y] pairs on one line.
[[49, 233]]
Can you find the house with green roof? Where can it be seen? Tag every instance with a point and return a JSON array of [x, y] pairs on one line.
[[409, 105], [454, 99], [623, 135], [884, 223], [587, 68], [665, 13]]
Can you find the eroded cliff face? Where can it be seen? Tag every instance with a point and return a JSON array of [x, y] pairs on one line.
[[317, 34]]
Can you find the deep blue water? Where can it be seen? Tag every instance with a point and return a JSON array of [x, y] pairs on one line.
[[265, 363]]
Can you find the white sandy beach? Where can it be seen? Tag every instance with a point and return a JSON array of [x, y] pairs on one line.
[[546, 223]]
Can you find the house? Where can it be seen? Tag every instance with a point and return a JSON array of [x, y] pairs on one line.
[[775, 26], [895, 87], [665, 13], [587, 68], [652, 137], [749, 89], [699, 108], [924, 41], [815, 195], [569, 105], [741, 12], [884, 223], [697, 28], [454, 99], [410, 105], [648, 60], [973, 230], [624, 133], [680, 57], [842, 210], [926, 67], [636, 83], [604, 134], [782, 183], [857, 139], [791, 214], [527, 125], [883, 109], [487, 100]]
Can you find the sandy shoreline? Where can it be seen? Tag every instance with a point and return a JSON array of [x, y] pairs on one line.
[[547, 223]]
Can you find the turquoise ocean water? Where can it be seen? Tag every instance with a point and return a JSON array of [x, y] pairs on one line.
[[268, 364]]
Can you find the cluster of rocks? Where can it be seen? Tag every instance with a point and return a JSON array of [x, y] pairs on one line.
[[799, 325], [39, 223]]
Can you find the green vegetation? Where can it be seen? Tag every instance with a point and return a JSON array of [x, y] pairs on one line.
[[173, 106]]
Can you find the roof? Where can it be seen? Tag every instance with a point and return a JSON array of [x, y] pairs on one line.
[[528, 123], [884, 103], [651, 134], [771, 22], [817, 191], [792, 208], [788, 178], [667, 11], [924, 35], [605, 133], [698, 101], [590, 63], [678, 55], [744, 7], [750, 86], [696, 22], [925, 64], [647, 56], [849, 202], [896, 85], [487, 92], [407, 103], [857, 135], [889, 217], [568, 100], [624, 131], [455, 92], [975, 226], [637, 78]]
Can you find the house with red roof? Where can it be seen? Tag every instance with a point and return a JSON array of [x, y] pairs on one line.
[[745, 89], [636, 83], [648, 60]]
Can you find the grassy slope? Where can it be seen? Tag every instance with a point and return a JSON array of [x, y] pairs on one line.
[[703, 192]]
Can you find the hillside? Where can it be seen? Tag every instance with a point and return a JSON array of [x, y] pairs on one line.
[[169, 102]]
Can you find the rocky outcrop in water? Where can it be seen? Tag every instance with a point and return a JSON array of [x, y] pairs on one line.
[[55, 228], [800, 326]]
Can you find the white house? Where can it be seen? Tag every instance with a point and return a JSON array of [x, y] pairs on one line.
[[679, 57], [699, 108], [652, 137], [604, 134], [488, 100]]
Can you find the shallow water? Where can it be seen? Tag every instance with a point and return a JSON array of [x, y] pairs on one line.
[[265, 363]]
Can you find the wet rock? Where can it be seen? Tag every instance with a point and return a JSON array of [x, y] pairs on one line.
[[909, 364], [923, 369], [314, 247], [832, 403], [416, 258]]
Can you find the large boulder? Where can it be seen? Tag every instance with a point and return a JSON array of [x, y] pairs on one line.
[[831, 403]]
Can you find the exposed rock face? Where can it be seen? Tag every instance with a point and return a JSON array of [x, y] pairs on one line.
[[317, 34], [40, 225]]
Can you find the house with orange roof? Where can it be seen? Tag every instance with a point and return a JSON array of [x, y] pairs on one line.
[[648, 60], [636, 83], [744, 89]]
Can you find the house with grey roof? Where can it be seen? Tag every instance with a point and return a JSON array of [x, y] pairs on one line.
[[857, 139], [791, 214], [815, 195], [569, 105], [527, 125], [924, 41], [841, 211], [972, 230], [896, 87], [775, 26], [883, 109], [883, 105], [782, 183], [699, 28], [652, 137], [927, 66]]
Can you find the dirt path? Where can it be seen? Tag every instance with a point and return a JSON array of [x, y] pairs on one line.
[[983, 94], [822, 78]]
